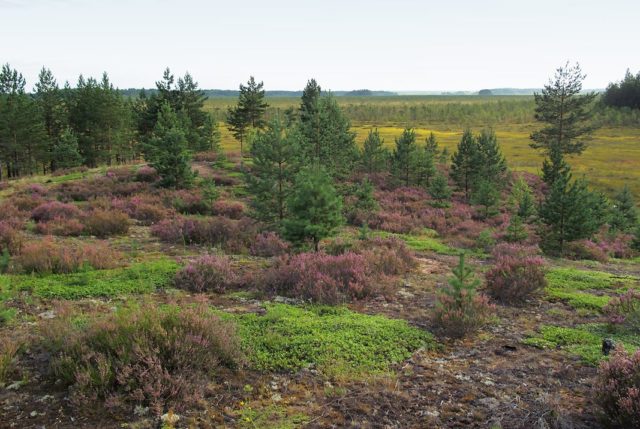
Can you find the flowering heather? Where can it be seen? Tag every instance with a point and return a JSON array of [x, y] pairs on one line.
[[268, 244], [617, 389], [54, 210], [321, 278], [209, 273]]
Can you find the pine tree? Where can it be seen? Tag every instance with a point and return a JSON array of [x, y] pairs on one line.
[[570, 212], [167, 150], [516, 231], [624, 216], [101, 120], [464, 168], [491, 162], [431, 145], [22, 134], [439, 190], [554, 166], [251, 101], [314, 208], [521, 201], [270, 179], [238, 125], [566, 112], [374, 155], [403, 157], [365, 204], [53, 110], [310, 99], [328, 140], [187, 101], [65, 151], [463, 285], [488, 196], [423, 168], [444, 156]]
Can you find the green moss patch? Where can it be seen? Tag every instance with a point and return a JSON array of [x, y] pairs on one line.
[[583, 340], [142, 277], [424, 242], [583, 289], [333, 339]]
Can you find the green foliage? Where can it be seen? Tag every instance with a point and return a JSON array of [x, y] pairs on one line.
[[463, 284], [249, 113], [565, 111], [314, 207], [583, 340], [327, 137], [625, 93], [275, 163], [431, 145], [491, 165], [374, 156], [365, 204], [333, 339], [624, 215], [439, 190], [22, 133], [271, 417], [187, 101], [403, 164], [423, 168], [427, 241], [65, 151], [571, 212], [487, 196], [143, 277], [464, 165], [101, 120], [167, 150], [516, 231], [585, 289], [521, 201]]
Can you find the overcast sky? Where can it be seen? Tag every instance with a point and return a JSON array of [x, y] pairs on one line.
[[345, 44]]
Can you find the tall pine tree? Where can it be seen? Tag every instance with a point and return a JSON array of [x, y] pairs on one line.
[[275, 163], [465, 163], [403, 157]]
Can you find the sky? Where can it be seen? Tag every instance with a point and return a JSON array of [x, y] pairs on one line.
[[399, 45]]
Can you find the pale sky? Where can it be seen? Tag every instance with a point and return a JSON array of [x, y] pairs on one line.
[[399, 45]]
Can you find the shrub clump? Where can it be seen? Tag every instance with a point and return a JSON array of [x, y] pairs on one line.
[[617, 389], [388, 256], [51, 210], [321, 278], [268, 244], [149, 355], [585, 249], [624, 311], [207, 273], [230, 209], [103, 223], [514, 279], [459, 308], [11, 239], [65, 227], [147, 174], [233, 235], [50, 257]]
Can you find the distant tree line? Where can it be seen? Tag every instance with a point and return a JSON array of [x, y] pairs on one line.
[[90, 124], [625, 93]]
